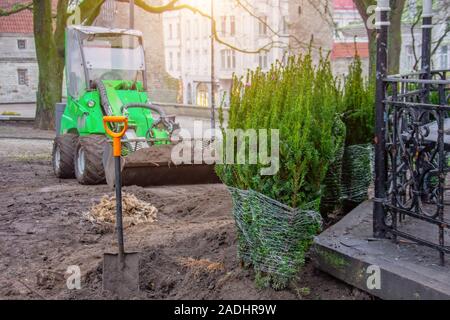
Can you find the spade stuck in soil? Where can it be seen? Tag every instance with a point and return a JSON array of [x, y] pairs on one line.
[[121, 270]]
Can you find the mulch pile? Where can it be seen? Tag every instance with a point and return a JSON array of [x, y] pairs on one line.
[[134, 211]]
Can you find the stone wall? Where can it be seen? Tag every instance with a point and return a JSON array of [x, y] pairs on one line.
[[13, 59]]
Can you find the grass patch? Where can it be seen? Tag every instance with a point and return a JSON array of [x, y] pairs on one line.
[[201, 265]]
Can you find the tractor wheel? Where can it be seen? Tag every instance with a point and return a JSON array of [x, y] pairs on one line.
[[88, 160], [63, 154]]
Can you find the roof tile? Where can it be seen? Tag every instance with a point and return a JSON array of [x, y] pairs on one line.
[[349, 49], [343, 5], [21, 22]]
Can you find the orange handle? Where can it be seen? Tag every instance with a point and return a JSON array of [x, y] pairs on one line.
[[116, 135]]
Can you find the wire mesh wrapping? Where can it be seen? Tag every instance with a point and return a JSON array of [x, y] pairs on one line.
[[357, 172], [332, 191], [348, 178], [272, 237]]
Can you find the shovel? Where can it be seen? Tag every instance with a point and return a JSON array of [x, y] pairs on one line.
[[120, 270]]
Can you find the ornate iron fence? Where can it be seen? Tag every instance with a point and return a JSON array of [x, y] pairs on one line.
[[417, 145], [412, 144]]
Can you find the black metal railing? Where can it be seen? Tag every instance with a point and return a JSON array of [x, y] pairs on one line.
[[417, 156]]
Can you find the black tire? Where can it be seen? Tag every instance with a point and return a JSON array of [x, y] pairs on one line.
[[88, 162], [63, 154]]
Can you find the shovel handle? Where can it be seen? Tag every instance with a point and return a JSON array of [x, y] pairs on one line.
[[116, 135], [118, 185]]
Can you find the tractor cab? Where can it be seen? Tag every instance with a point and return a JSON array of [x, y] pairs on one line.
[[95, 54]]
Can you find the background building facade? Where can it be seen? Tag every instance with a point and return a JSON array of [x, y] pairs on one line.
[[349, 37], [114, 14], [18, 64], [247, 25]]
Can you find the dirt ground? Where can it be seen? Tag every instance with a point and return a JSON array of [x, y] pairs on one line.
[[42, 233]]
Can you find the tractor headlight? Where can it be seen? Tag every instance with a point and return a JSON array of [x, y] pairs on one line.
[[91, 103]]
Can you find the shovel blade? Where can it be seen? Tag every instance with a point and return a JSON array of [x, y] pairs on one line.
[[121, 279]]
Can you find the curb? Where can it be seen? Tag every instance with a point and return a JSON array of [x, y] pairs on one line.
[[25, 138], [16, 118]]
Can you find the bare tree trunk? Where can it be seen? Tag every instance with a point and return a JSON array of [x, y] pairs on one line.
[[362, 6], [372, 36], [395, 36], [50, 57]]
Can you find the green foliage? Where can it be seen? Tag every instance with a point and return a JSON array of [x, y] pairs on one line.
[[358, 109], [358, 106], [302, 102]]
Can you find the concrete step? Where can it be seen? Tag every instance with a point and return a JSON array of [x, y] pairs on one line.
[[382, 267]]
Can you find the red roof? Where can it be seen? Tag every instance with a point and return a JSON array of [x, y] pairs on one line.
[[349, 49], [343, 5], [21, 22]]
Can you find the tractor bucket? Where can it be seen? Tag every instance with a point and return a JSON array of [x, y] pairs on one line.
[[153, 166]]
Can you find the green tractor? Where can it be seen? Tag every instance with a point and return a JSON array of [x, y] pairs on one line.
[[106, 76]]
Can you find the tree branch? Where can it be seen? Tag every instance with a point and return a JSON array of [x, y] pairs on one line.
[[413, 37], [18, 7], [60, 26], [276, 33], [174, 6], [439, 41]]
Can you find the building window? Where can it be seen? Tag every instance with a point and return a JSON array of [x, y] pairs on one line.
[[206, 29], [263, 60], [178, 31], [410, 57], [223, 26], [197, 60], [170, 31], [188, 29], [202, 95], [196, 29], [205, 65], [21, 44], [232, 25], [189, 94], [188, 60], [412, 9], [444, 57], [170, 61], [22, 77], [285, 26], [228, 59], [262, 26], [178, 61]]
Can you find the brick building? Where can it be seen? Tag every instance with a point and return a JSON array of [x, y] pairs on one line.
[[18, 64]]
